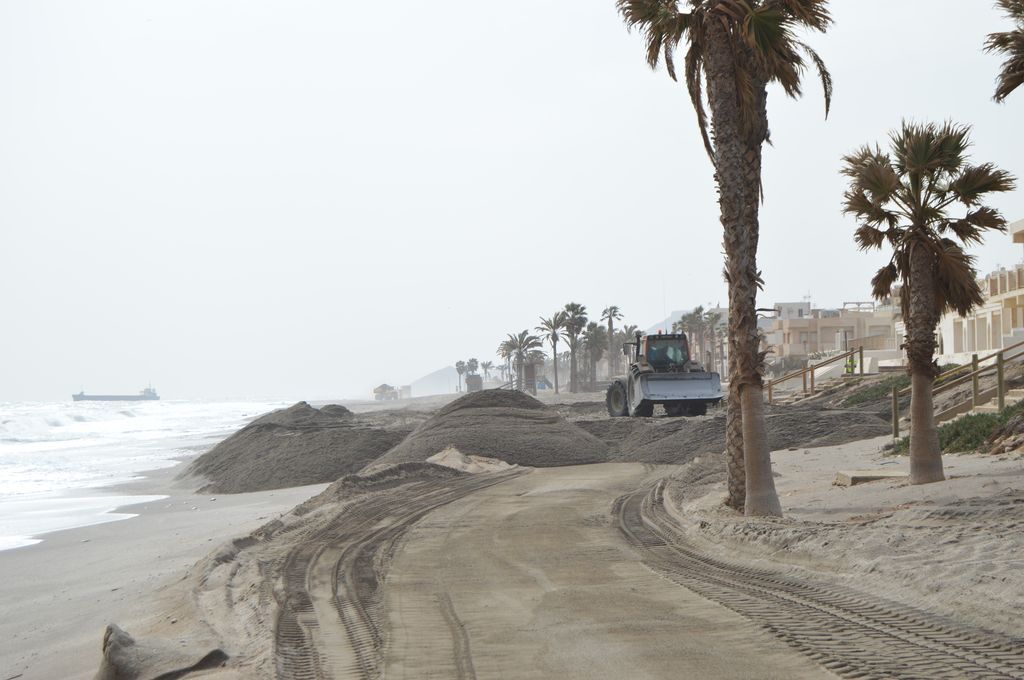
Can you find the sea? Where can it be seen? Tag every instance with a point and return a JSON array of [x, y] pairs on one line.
[[59, 460]]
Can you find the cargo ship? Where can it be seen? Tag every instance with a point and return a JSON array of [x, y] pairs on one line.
[[148, 394]]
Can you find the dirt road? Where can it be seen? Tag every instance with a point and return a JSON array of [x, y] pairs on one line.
[[570, 572], [532, 578]]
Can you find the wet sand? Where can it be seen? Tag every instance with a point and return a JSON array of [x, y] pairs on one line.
[[59, 595]]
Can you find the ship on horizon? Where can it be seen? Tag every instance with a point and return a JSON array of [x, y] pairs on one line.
[[148, 394]]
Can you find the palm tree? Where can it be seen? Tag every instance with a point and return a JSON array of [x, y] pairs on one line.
[[575, 322], [1010, 44], [472, 365], [610, 314], [460, 368], [629, 332], [904, 198], [712, 320], [520, 345], [486, 366], [595, 342], [551, 329], [506, 351], [734, 49]]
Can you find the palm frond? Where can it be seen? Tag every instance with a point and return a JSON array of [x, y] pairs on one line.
[[694, 70], [986, 218], [1011, 45], [823, 74], [926, 148], [882, 281], [813, 14], [976, 181], [661, 23], [956, 279], [868, 237]]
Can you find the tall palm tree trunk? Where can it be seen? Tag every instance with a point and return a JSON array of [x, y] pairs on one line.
[[738, 171], [572, 369], [554, 362], [613, 360], [737, 486], [925, 454]]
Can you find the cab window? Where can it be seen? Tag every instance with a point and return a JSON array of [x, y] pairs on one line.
[[667, 352]]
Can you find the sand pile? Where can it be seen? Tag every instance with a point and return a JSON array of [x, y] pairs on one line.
[[457, 460], [677, 440], [502, 424], [384, 479], [292, 447]]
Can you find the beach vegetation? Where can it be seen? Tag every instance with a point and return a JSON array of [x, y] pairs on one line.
[[551, 330], [460, 368], [594, 343], [971, 432], [903, 199], [610, 315], [519, 348], [575, 322]]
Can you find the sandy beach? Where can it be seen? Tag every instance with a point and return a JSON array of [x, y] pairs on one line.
[[609, 556], [59, 595]]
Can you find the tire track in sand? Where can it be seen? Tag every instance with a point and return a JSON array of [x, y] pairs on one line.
[[329, 619], [849, 633]]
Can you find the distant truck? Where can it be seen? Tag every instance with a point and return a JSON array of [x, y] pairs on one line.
[[385, 392], [474, 383], [661, 371]]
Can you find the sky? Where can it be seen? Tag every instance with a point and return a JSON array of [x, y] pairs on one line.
[[304, 199]]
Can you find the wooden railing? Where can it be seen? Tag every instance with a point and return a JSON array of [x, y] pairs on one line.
[[803, 372], [976, 373]]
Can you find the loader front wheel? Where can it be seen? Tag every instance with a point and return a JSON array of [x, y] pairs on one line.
[[699, 409], [615, 400]]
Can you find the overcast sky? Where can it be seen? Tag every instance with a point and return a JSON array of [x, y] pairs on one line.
[[305, 199]]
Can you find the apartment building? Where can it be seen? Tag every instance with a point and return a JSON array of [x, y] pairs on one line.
[[994, 325], [799, 331]]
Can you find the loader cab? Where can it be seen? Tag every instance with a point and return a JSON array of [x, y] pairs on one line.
[[669, 352]]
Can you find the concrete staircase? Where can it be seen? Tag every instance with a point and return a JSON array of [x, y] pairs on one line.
[[819, 389], [1012, 397]]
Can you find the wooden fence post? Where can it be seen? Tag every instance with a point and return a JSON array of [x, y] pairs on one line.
[[862, 359], [1000, 387], [895, 412], [812, 381], [769, 392], [804, 376], [974, 380]]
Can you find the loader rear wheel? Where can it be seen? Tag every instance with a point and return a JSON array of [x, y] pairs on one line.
[[676, 410], [615, 400], [645, 409]]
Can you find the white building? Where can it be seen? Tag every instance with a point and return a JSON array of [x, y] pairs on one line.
[[995, 324]]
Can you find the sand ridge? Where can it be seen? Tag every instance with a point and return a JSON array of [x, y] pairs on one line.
[[290, 447], [503, 424]]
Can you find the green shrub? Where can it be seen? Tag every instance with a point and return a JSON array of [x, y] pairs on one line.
[[968, 433], [877, 391]]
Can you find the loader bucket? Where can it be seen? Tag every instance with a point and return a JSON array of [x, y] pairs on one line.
[[667, 387]]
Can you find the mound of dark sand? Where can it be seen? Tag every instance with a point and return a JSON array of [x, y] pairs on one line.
[[336, 410], [678, 440], [292, 447], [502, 424]]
